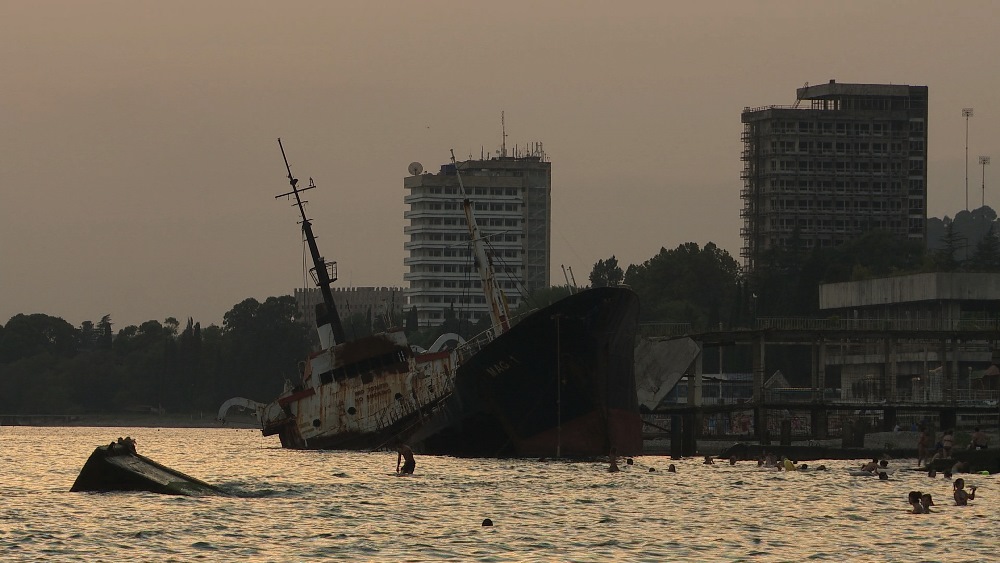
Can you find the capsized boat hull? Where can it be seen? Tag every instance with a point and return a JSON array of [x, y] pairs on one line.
[[560, 382], [119, 468]]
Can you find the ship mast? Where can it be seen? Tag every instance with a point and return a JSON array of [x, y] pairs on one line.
[[499, 311], [323, 273]]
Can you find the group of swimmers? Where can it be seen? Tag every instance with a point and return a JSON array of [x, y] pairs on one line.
[[921, 502], [877, 467], [613, 463], [943, 447], [127, 443], [783, 464]]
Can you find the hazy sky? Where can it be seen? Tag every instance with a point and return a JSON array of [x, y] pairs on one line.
[[139, 160]]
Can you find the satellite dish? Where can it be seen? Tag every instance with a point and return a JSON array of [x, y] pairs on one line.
[[415, 168]]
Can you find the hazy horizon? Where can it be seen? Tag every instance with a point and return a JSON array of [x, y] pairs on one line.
[[141, 161]]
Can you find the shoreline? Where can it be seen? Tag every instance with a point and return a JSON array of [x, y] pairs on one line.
[[129, 420]]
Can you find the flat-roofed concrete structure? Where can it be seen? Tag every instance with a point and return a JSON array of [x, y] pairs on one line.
[[843, 160], [935, 297], [915, 367]]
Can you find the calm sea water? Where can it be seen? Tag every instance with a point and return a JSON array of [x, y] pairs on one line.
[[331, 505]]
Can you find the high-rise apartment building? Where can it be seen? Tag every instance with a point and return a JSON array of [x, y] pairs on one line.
[[845, 159], [512, 200]]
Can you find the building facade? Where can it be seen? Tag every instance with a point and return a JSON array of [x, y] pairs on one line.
[[845, 159], [959, 314], [512, 200]]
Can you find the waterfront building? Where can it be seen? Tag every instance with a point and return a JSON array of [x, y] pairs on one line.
[[910, 368], [845, 159], [377, 301], [512, 199]]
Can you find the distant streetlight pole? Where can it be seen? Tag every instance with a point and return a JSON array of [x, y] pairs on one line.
[[966, 113], [984, 160]]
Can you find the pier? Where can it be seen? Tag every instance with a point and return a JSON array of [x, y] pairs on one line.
[[896, 389]]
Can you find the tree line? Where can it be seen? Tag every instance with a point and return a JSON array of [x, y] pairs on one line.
[[48, 366], [704, 285]]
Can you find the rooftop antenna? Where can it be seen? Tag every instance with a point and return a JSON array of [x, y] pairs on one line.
[[503, 131], [966, 113], [984, 160]]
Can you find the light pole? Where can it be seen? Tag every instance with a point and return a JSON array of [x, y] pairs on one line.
[[966, 113], [984, 160]]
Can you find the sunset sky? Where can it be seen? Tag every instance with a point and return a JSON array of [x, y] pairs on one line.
[[139, 158]]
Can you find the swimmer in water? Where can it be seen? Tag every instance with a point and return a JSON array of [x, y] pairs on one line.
[[788, 464], [708, 460], [962, 497], [883, 470], [926, 502], [914, 500], [671, 469], [870, 466]]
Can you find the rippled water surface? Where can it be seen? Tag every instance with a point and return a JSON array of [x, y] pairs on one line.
[[297, 506]]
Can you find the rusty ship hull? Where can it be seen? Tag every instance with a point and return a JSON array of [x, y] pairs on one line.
[[360, 395], [559, 383]]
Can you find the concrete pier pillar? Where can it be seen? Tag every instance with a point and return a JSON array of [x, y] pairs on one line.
[[814, 371], [948, 419], [891, 370], [759, 413], [888, 419], [821, 370], [820, 423], [696, 382], [945, 371], [690, 434], [758, 369], [953, 380]]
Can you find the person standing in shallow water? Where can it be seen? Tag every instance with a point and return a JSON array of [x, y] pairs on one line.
[[613, 458], [978, 441], [923, 443], [962, 497], [406, 453]]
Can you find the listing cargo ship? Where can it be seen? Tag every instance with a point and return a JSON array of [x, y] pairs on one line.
[[557, 382]]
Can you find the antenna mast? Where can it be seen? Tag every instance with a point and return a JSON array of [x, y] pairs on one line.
[[323, 273], [503, 132]]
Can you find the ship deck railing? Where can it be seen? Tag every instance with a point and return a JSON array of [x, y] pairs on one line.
[[473, 345]]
